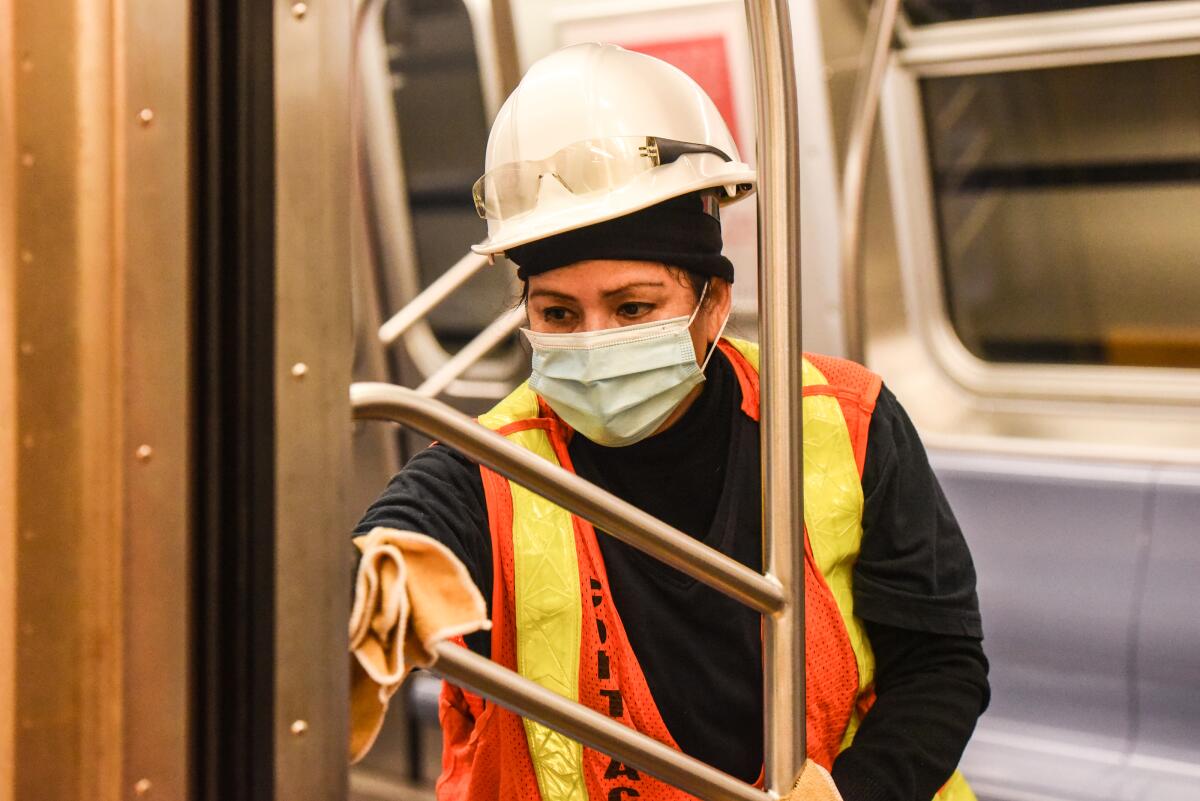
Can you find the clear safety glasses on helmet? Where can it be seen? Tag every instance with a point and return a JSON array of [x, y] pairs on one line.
[[592, 165]]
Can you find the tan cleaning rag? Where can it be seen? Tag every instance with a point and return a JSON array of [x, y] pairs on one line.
[[411, 593], [814, 784]]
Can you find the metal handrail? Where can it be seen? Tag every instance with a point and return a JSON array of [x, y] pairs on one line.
[[497, 75], [497, 331], [385, 199], [880, 29], [512, 691], [416, 309], [623, 520]]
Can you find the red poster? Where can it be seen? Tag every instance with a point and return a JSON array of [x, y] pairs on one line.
[[705, 59]]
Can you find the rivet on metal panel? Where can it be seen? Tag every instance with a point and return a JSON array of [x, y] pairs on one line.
[[299, 10], [299, 727], [27, 256], [26, 348], [299, 370], [29, 535], [143, 453], [141, 787], [27, 159], [27, 441], [146, 116], [26, 64]]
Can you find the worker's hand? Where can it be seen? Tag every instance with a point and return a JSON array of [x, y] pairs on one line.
[[813, 784], [410, 594]]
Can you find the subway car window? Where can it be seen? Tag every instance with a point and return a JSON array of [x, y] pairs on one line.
[[928, 12], [1066, 203]]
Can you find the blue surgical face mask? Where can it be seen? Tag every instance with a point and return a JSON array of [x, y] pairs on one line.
[[617, 386]]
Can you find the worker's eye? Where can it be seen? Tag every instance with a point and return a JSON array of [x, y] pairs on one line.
[[633, 309], [556, 314]]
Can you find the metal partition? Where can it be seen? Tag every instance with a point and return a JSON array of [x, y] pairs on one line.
[[384, 181], [623, 521], [779, 594]]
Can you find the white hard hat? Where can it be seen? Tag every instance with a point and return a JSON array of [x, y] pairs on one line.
[[594, 132]]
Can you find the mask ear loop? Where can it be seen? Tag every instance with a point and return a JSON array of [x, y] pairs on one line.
[[721, 330], [713, 349], [699, 303]]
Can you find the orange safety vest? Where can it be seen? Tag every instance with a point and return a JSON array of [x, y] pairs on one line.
[[554, 621]]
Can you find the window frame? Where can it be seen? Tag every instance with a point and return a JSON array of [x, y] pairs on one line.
[[1050, 40]]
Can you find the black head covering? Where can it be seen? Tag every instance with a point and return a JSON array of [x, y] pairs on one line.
[[682, 232]]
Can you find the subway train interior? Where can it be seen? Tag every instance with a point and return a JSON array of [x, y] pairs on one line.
[[215, 217]]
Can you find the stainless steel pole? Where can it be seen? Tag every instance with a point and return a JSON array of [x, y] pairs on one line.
[[880, 28], [529, 700], [579, 496], [781, 395]]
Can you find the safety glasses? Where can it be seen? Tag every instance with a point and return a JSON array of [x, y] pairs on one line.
[[592, 165]]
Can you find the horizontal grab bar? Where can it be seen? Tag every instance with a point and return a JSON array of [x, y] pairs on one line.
[[617, 517], [500, 328], [480, 675], [444, 286]]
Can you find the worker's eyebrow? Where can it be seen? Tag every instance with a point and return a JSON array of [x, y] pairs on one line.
[[550, 293], [630, 287]]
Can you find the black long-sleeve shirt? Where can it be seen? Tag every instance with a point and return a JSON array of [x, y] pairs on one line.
[[914, 587]]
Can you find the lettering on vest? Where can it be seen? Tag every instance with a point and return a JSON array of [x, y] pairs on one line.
[[616, 707], [616, 769], [603, 670]]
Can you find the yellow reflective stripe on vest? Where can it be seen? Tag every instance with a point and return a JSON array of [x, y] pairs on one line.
[[548, 608], [549, 615]]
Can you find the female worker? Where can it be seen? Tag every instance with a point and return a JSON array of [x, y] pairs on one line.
[[605, 172]]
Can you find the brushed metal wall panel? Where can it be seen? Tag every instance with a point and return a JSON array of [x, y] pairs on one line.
[[9, 257], [152, 136], [313, 355]]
